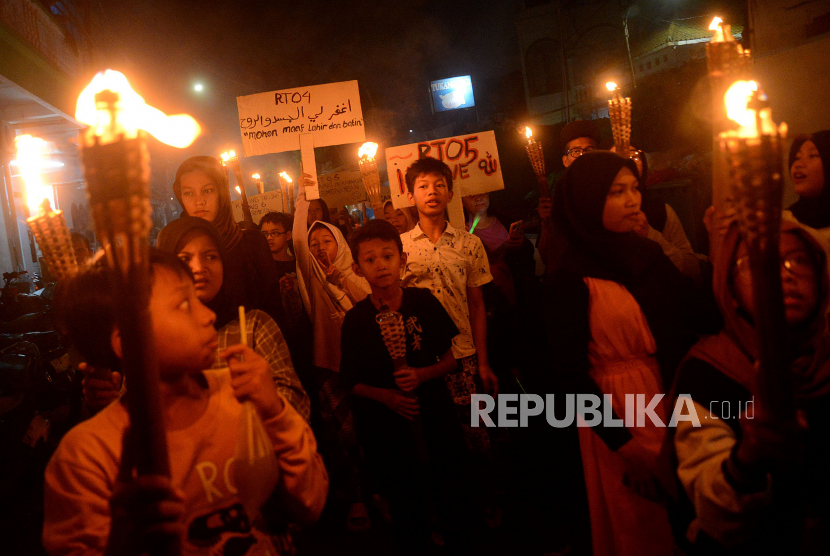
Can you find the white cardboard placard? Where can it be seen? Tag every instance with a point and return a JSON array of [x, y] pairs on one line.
[[473, 159], [272, 122], [339, 189], [270, 201]]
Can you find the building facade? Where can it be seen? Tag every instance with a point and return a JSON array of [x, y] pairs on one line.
[[45, 55]]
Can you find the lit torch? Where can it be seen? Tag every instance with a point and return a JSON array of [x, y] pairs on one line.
[[537, 160], [371, 177], [754, 155], [287, 190], [260, 185], [116, 165], [726, 62], [619, 110], [230, 160], [49, 227]]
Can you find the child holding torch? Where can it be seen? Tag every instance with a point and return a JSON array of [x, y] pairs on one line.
[[387, 400], [94, 506]]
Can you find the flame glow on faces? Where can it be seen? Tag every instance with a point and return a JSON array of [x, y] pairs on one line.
[[30, 163], [131, 114], [368, 150], [611, 86], [286, 177], [736, 99]]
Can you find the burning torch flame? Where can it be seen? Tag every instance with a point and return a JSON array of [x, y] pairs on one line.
[[255, 176], [286, 177], [131, 114], [722, 32], [30, 162], [227, 155], [238, 190], [528, 132], [611, 86], [368, 150], [737, 99]]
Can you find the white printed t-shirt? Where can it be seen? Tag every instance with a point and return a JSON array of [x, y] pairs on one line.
[[447, 268]]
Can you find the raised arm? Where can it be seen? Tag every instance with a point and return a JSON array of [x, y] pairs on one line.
[[300, 238]]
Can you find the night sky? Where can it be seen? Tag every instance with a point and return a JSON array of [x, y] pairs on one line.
[[393, 48]]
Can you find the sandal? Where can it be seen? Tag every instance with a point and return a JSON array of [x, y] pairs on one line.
[[358, 520]]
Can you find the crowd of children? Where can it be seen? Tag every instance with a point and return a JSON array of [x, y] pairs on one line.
[[627, 311]]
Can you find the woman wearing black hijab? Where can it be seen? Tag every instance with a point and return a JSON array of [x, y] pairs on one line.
[[201, 187], [661, 224], [809, 163], [619, 313]]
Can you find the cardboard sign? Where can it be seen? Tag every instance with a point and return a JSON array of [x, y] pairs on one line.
[[339, 189], [270, 201], [273, 122], [473, 159]]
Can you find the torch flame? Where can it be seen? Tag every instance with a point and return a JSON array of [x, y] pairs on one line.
[[227, 155], [238, 190], [131, 114], [528, 132], [286, 177], [611, 86], [255, 176], [715, 25], [368, 150], [30, 162], [737, 99]]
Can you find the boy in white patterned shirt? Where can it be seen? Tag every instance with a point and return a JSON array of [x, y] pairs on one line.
[[452, 264]]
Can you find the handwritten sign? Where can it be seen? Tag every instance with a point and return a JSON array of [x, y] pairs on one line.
[[339, 189], [273, 122], [270, 201], [473, 159]]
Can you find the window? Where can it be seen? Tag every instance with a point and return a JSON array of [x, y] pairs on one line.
[[665, 57], [544, 72], [657, 61], [641, 67], [648, 65]]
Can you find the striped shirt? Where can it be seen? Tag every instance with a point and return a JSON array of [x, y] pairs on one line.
[[266, 339]]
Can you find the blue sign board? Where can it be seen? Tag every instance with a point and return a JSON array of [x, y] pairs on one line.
[[452, 93]]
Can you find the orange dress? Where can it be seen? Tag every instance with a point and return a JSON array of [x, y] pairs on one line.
[[621, 354]]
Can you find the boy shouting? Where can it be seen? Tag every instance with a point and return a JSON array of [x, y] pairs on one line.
[[452, 264]]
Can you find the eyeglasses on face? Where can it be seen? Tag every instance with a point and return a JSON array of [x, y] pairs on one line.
[[797, 263], [269, 235], [576, 152]]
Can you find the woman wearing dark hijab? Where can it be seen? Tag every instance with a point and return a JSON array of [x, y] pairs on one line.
[[809, 161], [201, 187], [618, 310], [659, 222], [197, 243]]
